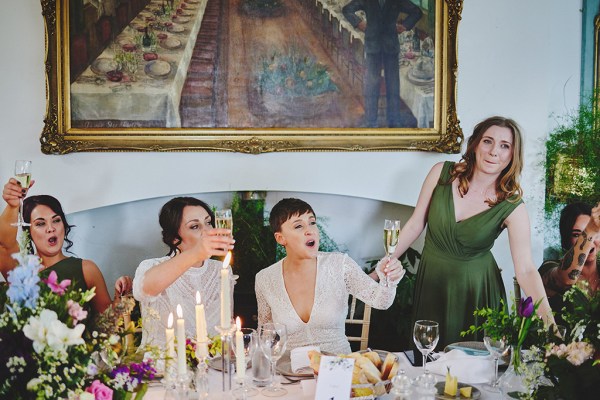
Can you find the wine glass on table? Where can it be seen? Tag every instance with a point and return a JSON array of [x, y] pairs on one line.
[[391, 231], [23, 175], [249, 343], [497, 348], [426, 335], [272, 337]]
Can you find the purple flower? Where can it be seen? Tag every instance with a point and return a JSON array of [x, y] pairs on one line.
[[525, 308]]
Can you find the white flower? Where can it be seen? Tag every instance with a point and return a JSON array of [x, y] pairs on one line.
[[86, 396], [33, 384], [37, 329]]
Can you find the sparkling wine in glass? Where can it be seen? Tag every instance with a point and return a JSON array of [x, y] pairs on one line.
[[391, 231], [497, 348], [23, 175], [250, 342], [223, 219], [272, 337], [426, 335]]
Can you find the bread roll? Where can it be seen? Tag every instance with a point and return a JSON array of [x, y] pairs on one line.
[[374, 357], [315, 360], [386, 367], [370, 370]]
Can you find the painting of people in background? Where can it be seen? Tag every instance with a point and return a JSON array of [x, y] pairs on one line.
[[244, 64]]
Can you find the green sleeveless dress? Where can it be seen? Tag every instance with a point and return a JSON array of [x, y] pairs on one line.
[[458, 273], [69, 268]]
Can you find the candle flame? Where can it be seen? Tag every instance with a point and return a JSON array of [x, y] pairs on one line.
[[226, 260], [170, 321], [179, 311], [198, 298], [238, 323]]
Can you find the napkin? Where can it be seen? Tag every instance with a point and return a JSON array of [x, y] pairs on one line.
[[469, 369], [300, 363]]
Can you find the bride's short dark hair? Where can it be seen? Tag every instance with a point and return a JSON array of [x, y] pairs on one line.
[[286, 209]]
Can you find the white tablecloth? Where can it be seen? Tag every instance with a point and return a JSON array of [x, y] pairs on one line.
[[306, 389], [93, 97]]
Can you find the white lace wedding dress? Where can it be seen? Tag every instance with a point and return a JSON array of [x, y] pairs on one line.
[[338, 276], [156, 309]]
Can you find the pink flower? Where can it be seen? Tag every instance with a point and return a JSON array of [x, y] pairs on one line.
[[52, 282], [100, 391], [76, 311]]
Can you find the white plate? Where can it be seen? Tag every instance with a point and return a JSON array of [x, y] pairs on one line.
[[158, 69], [101, 66], [182, 20], [175, 28], [170, 43]]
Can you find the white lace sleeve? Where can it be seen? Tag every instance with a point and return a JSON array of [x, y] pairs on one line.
[[138, 280], [362, 286], [264, 311]]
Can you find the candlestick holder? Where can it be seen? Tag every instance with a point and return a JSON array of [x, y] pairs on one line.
[[201, 380], [182, 385], [226, 365]]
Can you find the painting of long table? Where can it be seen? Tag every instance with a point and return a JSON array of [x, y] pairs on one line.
[[241, 75]]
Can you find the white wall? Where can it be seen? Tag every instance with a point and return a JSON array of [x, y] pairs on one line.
[[516, 58]]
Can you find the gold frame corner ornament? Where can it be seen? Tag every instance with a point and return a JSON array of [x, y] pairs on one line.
[[58, 137]]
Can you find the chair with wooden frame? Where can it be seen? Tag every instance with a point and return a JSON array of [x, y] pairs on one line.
[[364, 321]]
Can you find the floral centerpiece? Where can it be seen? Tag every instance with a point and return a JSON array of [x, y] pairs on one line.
[[571, 366], [294, 84], [48, 349]]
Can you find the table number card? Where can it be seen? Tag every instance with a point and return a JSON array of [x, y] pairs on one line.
[[335, 378]]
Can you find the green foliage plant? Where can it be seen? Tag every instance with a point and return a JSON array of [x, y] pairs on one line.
[[572, 160]]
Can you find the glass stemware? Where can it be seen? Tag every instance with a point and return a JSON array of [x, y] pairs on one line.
[[496, 347], [426, 335], [391, 231], [273, 338], [23, 175], [250, 343], [223, 219]]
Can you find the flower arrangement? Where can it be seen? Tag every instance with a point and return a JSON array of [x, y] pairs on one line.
[[571, 367], [48, 352], [522, 327], [294, 74], [214, 349]]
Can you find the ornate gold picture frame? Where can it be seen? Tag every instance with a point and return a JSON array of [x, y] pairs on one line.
[[194, 75]]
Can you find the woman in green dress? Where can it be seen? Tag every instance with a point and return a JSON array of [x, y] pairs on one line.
[[49, 230], [465, 206]]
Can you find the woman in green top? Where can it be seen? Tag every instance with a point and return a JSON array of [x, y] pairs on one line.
[[49, 230], [465, 206]]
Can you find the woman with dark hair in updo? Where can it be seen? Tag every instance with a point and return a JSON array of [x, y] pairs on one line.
[[160, 284], [49, 231]]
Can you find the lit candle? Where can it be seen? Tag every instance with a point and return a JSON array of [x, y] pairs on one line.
[[240, 356], [201, 334], [181, 368], [170, 339], [225, 293]]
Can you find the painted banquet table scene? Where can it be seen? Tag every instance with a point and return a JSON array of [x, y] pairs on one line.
[[236, 64]]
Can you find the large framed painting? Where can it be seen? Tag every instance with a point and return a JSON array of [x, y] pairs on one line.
[[251, 76]]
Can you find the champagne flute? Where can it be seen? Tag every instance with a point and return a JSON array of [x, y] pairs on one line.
[[426, 335], [250, 342], [223, 219], [391, 231], [23, 175], [497, 348], [273, 338]]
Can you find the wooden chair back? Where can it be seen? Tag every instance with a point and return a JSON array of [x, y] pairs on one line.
[[364, 321]]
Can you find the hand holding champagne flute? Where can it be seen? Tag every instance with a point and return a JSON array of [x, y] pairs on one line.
[[391, 231]]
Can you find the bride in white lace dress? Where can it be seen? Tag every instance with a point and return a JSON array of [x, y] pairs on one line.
[[308, 290], [162, 283]]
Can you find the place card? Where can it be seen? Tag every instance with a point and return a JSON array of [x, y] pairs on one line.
[[335, 378]]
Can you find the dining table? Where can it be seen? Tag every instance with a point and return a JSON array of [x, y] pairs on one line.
[[305, 388], [140, 74]]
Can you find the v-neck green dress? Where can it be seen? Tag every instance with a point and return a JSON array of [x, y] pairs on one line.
[[458, 272]]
